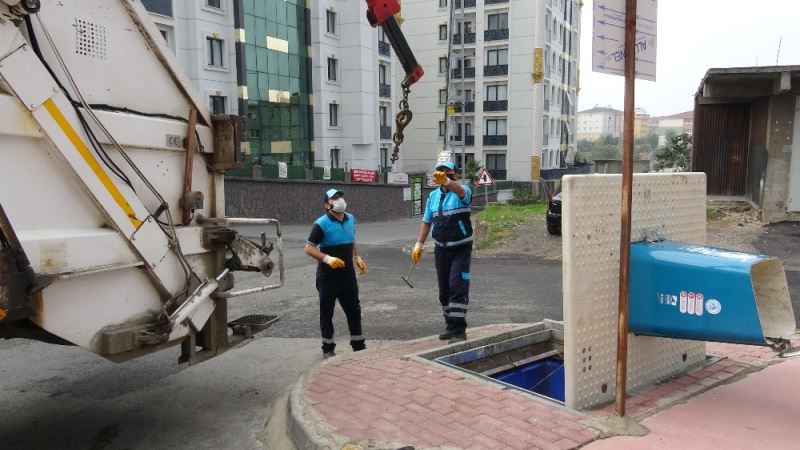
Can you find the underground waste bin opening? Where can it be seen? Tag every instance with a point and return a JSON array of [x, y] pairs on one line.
[[544, 377]]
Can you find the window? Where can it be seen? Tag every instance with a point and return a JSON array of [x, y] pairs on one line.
[[214, 3], [442, 96], [468, 128], [495, 162], [215, 47], [330, 22], [332, 69], [495, 93], [496, 127], [442, 32], [333, 115], [442, 65], [442, 3], [383, 116], [497, 57], [469, 157], [255, 133], [442, 127], [382, 74], [217, 104], [384, 157], [381, 35], [468, 95], [498, 21], [334, 158]]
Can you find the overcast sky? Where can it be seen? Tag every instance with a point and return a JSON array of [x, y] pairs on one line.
[[693, 36]]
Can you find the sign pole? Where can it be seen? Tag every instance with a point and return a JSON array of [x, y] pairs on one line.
[[627, 188]]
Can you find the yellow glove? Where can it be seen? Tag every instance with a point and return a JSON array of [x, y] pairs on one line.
[[440, 178], [361, 266], [416, 254], [333, 262]]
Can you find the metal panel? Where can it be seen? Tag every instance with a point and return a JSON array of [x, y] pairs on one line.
[[674, 204], [720, 146], [757, 163]]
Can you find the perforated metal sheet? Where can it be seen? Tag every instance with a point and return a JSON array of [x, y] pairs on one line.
[[674, 204]]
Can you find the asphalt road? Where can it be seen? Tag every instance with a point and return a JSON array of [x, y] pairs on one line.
[[66, 397]]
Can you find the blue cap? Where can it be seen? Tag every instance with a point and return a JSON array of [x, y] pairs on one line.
[[332, 192], [445, 164]]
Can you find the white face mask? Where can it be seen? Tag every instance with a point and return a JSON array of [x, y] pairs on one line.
[[339, 205]]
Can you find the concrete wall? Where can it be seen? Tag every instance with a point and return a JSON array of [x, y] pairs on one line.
[[779, 156], [615, 166], [297, 202]]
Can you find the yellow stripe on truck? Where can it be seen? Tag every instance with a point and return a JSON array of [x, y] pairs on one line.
[[91, 161]]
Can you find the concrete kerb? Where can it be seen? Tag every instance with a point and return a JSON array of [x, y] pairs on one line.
[[300, 429]]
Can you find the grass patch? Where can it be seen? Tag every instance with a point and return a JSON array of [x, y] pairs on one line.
[[502, 219], [712, 214]]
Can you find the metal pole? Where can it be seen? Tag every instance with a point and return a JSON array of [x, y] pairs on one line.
[[627, 188], [463, 33]]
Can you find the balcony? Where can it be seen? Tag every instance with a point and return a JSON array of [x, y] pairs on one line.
[[498, 174], [467, 4], [495, 71], [385, 91], [546, 140], [547, 105], [494, 2], [497, 139], [386, 132], [469, 38], [470, 141], [495, 105], [495, 35], [383, 48], [469, 72], [469, 107], [455, 138]]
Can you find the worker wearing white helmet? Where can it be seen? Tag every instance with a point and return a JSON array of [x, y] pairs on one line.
[[447, 214]]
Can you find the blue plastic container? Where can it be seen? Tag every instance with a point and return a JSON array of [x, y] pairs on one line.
[[687, 291], [545, 377]]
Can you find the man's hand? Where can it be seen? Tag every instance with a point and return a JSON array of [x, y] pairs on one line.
[[440, 178], [333, 262], [361, 266], [416, 254]]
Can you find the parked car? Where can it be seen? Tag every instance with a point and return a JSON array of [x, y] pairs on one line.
[[554, 215]]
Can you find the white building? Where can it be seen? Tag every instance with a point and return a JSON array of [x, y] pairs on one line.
[[356, 80], [598, 122], [201, 33], [509, 123]]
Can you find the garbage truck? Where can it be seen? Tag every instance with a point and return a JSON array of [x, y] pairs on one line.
[[113, 234]]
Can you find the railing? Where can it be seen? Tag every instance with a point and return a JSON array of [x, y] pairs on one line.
[[469, 72], [495, 35], [383, 48], [385, 90], [498, 174], [386, 132], [469, 38], [547, 105], [455, 138], [469, 107], [467, 4], [493, 71], [556, 174], [494, 2], [495, 139], [495, 105], [546, 140], [470, 141]]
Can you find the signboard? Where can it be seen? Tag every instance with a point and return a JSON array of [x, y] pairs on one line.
[[536, 168], [484, 179], [397, 178], [538, 65], [407, 194], [283, 170], [326, 173], [363, 176], [608, 39]]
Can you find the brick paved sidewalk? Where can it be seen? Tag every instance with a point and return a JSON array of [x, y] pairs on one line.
[[382, 399]]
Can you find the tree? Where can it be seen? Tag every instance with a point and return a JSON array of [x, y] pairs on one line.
[[471, 170], [677, 156]]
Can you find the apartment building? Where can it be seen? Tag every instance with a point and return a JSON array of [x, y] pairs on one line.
[[479, 60], [599, 121]]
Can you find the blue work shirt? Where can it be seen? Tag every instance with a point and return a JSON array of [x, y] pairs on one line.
[[449, 215], [335, 238]]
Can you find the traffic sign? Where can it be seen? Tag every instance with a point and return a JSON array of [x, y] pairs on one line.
[[484, 179], [608, 40]]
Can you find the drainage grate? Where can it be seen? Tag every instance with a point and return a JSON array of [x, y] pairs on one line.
[[254, 320]]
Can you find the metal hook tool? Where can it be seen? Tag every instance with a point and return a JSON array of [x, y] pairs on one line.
[[407, 278]]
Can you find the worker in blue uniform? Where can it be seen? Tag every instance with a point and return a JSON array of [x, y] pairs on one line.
[[332, 242], [447, 214]]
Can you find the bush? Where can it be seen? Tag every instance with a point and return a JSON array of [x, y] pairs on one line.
[[524, 195]]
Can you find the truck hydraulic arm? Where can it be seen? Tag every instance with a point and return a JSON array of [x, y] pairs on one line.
[[381, 12]]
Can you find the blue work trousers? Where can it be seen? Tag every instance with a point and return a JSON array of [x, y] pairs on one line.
[[345, 289], [452, 272]]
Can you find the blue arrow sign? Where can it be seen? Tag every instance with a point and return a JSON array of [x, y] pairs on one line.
[[603, 22], [606, 38], [638, 17], [606, 8], [645, 61]]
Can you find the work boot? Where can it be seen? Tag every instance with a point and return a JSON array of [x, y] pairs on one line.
[[457, 337], [330, 354], [446, 335]]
